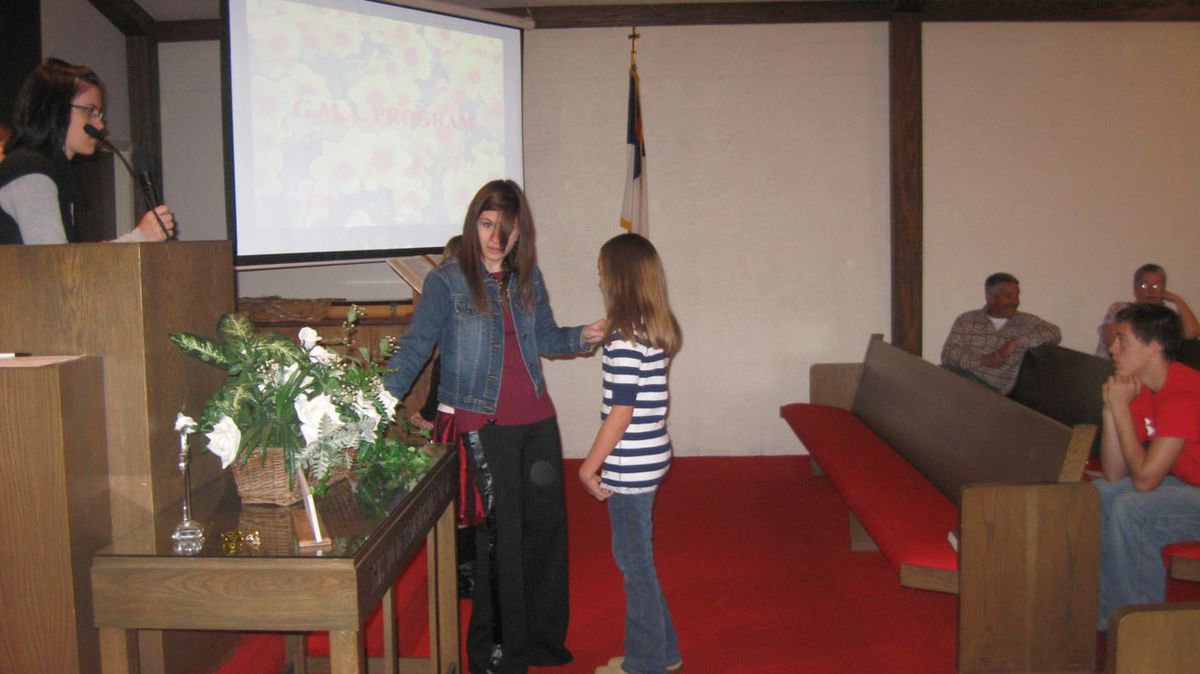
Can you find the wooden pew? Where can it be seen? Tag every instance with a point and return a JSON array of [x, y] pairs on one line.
[[1007, 476], [1063, 384], [1155, 639]]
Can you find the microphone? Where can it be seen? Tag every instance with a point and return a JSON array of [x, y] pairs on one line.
[[143, 179], [143, 164]]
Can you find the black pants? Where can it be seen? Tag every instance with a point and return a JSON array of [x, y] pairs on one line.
[[522, 604]]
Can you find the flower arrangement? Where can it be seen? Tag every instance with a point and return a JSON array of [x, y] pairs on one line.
[[326, 409]]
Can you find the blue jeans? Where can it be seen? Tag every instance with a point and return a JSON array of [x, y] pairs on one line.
[[1134, 526], [650, 642]]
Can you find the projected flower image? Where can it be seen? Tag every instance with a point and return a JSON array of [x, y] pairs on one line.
[[348, 108]]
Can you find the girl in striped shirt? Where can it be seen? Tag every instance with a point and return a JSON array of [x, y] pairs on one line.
[[632, 451]]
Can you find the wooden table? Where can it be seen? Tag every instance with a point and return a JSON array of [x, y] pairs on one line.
[[278, 587]]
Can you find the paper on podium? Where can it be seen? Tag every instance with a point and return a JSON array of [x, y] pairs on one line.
[[17, 360]]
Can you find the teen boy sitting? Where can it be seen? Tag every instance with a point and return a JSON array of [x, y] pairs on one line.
[[1149, 495]]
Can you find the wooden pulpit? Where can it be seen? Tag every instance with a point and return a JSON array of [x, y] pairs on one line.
[[54, 511], [120, 302]]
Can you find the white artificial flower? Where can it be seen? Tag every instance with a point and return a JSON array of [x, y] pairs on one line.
[[366, 411], [224, 440], [184, 423], [389, 402], [284, 375], [308, 338], [322, 356], [312, 412]]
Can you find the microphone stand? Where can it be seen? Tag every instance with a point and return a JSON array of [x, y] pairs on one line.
[[144, 185]]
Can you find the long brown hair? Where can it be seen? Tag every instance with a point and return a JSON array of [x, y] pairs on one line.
[[505, 197], [635, 294]]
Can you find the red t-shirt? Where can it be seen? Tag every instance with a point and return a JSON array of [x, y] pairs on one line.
[[1173, 412]]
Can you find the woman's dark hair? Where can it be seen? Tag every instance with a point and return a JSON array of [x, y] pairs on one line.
[[506, 198], [42, 113]]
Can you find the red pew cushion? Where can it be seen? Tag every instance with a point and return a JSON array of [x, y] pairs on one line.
[[906, 516]]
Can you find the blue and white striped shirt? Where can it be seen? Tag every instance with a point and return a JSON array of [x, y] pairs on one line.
[[636, 375]]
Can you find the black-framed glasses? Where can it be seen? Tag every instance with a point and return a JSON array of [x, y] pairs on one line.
[[91, 110]]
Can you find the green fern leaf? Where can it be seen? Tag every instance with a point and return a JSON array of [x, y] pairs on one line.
[[203, 348]]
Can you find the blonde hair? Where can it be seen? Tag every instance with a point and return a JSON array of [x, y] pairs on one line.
[[635, 294]]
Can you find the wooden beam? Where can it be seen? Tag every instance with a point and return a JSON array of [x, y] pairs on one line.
[[907, 186], [127, 16], [145, 118], [20, 49], [190, 31], [697, 14], [694, 14], [1060, 10]]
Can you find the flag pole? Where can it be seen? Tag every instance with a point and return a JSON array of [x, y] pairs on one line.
[[634, 210]]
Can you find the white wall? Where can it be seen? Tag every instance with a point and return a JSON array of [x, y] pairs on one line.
[[193, 144], [1066, 154], [74, 31], [768, 178]]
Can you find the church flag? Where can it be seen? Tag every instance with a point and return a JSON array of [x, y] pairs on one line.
[[634, 211]]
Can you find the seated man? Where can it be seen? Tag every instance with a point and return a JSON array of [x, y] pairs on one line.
[[1149, 493], [986, 345], [1149, 287]]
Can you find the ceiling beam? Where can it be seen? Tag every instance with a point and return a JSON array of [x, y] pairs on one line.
[[189, 31], [841, 11], [1060, 10], [704, 13], [127, 16]]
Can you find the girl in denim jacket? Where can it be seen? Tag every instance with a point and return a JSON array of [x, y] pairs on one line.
[[487, 312]]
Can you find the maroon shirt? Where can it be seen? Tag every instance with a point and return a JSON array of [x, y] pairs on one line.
[[519, 404]]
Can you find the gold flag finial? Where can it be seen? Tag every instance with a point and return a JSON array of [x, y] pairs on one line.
[[633, 38]]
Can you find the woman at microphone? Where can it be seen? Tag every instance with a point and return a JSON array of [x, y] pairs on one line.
[[38, 185]]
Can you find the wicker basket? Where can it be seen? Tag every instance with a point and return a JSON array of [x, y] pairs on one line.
[[268, 482]]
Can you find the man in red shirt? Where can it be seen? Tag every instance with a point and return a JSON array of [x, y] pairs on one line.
[[1150, 452]]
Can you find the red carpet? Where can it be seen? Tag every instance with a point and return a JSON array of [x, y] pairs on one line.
[[754, 558]]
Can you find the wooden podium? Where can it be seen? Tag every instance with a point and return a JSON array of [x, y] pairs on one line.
[[120, 302], [54, 510]]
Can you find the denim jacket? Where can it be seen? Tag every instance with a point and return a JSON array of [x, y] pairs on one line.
[[472, 342]]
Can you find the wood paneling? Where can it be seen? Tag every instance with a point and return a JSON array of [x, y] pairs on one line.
[[120, 302], [1154, 639], [1029, 557], [54, 512]]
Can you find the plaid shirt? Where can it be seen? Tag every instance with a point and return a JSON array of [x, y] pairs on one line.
[[973, 336]]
